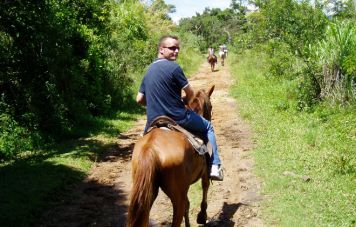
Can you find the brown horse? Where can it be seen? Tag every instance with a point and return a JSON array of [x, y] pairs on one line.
[[166, 159], [212, 59]]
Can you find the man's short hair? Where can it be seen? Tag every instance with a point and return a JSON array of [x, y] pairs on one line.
[[164, 38]]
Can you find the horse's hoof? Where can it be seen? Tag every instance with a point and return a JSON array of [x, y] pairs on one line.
[[202, 216]]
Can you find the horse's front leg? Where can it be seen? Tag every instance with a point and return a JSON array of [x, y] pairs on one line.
[[202, 216]]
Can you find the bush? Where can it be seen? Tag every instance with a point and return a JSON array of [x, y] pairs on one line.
[[63, 62], [15, 139], [281, 62], [308, 91], [333, 61], [72, 57]]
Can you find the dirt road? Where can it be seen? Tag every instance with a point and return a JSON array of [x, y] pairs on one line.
[[102, 199]]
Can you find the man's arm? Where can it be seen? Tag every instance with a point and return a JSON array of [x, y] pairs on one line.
[[141, 99], [189, 93]]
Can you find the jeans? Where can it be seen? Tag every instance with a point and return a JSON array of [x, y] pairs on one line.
[[196, 123]]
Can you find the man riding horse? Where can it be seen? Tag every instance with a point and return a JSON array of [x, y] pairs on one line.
[[211, 52], [212, 59], [167, 159], [160, 91], [222, 53]]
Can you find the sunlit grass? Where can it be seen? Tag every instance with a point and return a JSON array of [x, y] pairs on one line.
[[319, 144], [190, 61]]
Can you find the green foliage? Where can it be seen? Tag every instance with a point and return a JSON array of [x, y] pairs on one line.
[[124, 41], [214, 26], [252, 33], [292, 22], [189, 56], [308, 91], [63, 62], [281, 61], [56, 62], [319, 143], [303, 45], [333, 61], [156, 19], [160, 10], [14, 138]]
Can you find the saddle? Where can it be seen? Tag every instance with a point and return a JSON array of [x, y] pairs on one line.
[[215, 59], [166, 122]]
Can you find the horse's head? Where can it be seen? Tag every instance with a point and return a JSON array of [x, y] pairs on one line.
[[201, 103]]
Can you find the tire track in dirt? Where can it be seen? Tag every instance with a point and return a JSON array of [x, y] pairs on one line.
[[102, 199]]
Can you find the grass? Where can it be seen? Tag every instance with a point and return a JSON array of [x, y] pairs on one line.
[[29, 184], [190, 61], [319, 143]]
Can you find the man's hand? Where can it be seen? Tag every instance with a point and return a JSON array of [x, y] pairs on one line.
[[141, 99]]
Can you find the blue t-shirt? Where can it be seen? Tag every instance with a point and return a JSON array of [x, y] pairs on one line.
[[162, 86]]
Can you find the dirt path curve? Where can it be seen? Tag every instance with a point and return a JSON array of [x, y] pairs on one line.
[[102, 199]]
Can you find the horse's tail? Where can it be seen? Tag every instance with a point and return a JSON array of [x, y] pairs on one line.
[[143, 188]]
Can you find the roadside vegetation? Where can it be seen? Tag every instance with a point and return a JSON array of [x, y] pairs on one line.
[[305, 159], [294, 67], [69, 74], [296, 85]]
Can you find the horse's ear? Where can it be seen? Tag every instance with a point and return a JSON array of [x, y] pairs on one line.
[[211, 90]]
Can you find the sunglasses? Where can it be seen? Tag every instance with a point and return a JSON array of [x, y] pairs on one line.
[[173, 48]]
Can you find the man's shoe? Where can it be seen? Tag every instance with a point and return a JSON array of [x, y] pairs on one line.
[[216, 173]]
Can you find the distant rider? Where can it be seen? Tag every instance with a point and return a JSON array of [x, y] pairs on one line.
[[211, 52]]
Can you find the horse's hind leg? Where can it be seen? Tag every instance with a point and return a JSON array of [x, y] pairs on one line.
[[202, 216], [180, 209]]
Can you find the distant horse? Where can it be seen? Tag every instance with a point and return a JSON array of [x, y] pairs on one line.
[[212, 59], [166, 159], [222, 55]]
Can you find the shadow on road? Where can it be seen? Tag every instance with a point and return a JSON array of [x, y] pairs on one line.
[[225, 216]]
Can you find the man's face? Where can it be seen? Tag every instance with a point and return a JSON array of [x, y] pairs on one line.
[[169, 49]]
